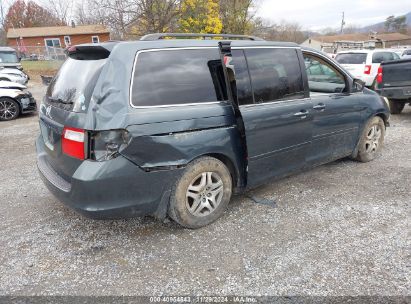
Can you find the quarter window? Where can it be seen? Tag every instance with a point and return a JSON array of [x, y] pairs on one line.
[[275, 74], [178, 77]]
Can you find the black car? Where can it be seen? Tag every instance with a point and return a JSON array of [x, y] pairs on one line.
[[175, 127]]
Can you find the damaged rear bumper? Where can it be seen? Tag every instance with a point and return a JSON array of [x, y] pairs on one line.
[[111, 189]]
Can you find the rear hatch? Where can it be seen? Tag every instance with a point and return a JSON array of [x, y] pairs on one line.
[[65, 107], [353, 62]]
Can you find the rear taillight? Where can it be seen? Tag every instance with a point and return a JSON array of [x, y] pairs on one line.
[[379, 75], [106, 145], [72, 142], [367, 69]]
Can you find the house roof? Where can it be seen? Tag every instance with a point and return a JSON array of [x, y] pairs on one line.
[[361, 37], [56, 31]]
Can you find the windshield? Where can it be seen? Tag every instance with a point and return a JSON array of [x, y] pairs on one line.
[[351, 58], [8, 57], [74, 84]]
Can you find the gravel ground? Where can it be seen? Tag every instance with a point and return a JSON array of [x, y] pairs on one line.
[[339, 229]]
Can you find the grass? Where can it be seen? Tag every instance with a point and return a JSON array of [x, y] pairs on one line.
[[42, 67]]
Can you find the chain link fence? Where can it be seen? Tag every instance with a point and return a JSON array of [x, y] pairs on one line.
[[41, 53]]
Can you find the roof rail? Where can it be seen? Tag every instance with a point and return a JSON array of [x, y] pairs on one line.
[[159, 36]]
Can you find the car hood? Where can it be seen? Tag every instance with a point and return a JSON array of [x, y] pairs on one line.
[[11, 71], [11, 85]]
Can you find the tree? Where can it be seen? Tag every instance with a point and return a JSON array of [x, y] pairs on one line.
[[62, 9], [283, 31], [30, 14], [156, 16], [200, 16], [2, 23], [396, 24], [237, 16]]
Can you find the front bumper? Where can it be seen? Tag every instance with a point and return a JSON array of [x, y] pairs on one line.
[[111, 189], [27, 103]]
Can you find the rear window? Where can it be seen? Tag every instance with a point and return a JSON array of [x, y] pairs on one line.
[[72, 87], [351, 58], [172, 77], [379, 57]]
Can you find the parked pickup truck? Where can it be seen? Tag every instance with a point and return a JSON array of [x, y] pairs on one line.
[[394, 82]]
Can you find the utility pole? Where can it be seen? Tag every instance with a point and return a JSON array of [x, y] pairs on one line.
[[342, 23]]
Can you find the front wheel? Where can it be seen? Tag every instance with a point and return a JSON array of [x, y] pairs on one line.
[[9, 109], [201, 194], [396, 107], [371, 140]]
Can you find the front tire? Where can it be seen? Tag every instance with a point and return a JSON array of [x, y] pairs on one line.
[[202, 193], [395, 106], [371, 140], [9, 109]]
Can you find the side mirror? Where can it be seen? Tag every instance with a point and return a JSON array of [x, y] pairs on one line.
[[358, 85]]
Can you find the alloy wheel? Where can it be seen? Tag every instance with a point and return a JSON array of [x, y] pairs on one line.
[[373, 139], [204, 194], [8, 109]]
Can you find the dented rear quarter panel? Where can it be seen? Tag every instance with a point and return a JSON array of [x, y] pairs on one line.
[[164, 138]]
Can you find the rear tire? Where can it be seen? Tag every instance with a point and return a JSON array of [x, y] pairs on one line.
[[201, 194], [395, 106], [372, 140], [9, 109]]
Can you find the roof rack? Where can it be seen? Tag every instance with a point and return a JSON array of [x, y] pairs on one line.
[[159, 36]]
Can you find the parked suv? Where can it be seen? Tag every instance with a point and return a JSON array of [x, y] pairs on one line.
[[364, 64], [175, 127], [9, 58]]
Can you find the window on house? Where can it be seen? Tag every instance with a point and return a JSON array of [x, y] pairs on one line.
[[67, 40], [95, 39], [52, 42]]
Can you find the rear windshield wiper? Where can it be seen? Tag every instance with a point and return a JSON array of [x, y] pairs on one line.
[[59, 100]]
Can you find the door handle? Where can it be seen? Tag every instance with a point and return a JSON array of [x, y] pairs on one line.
[[303, 114], [320, 106]]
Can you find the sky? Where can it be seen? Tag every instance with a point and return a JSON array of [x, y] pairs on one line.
[[319, 14]]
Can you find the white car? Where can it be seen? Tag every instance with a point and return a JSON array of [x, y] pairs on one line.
[[15, 100], [13, 75], [406, 54], [364, 64]]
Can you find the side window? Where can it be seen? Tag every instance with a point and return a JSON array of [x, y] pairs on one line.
[[275, 74], [379, 57], [239, 78], [322, 77], [172, 77]]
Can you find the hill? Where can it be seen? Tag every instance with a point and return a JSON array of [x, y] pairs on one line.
[[378, 27]]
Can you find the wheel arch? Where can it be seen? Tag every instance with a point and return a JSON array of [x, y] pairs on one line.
[[236, 176], [383, 116]]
